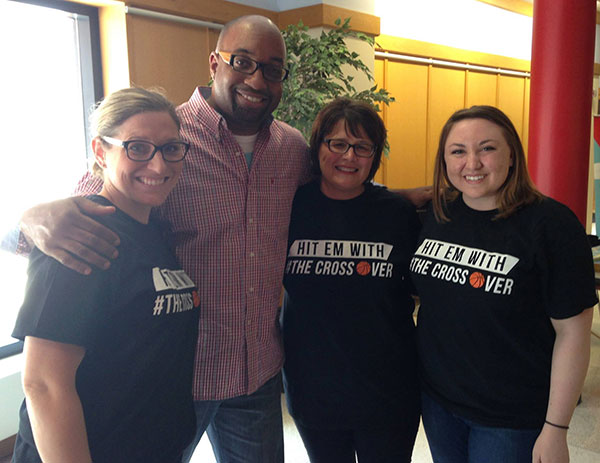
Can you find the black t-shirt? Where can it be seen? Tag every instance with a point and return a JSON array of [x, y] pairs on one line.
[[488, 289], [138, 322], [347, 319]]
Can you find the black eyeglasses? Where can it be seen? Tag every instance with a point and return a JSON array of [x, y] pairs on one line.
[[245, 65], [142, 151], [362, 150]]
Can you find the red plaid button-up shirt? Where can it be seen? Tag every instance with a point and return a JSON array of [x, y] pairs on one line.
[[230, 225]]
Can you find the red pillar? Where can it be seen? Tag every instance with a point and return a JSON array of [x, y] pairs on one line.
[[562, 68]]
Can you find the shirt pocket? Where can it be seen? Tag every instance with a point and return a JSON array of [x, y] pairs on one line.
[[270, 198]]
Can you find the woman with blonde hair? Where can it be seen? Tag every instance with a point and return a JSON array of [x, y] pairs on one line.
[[109, 356]]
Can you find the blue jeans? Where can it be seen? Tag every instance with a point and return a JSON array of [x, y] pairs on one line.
[[453, 439], [245, 429]]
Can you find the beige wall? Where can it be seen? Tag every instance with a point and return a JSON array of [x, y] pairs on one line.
[[159, 52], [170, 55]]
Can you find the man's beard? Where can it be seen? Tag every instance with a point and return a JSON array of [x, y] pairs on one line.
[[241, 113]]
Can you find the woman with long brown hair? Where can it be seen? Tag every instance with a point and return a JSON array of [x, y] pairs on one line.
[[506, 282]]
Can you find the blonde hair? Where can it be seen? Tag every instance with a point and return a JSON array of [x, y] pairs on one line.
[[109, 114], [517, 190]]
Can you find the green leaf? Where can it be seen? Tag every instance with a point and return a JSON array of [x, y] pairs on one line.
[[316, 75]]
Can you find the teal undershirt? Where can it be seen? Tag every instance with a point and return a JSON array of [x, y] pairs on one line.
[[249, 158]]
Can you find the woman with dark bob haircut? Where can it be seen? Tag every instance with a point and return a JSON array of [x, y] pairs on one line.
[[356, 115], [351, 370], [506, 282]]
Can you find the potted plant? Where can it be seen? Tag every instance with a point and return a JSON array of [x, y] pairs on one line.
[[316, 75]]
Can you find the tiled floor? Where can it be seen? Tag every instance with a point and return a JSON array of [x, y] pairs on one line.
[[584, 435]]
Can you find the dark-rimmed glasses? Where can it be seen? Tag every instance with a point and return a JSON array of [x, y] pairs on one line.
[[245, 65], [142, 150], [362, 150]]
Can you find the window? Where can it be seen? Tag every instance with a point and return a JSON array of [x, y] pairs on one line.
[[50, 59]]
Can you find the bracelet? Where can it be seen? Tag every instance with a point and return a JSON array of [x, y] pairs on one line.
[[556, 425]]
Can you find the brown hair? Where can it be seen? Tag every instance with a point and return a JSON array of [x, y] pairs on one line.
[[108, 115], [357, 115], [517, 190]]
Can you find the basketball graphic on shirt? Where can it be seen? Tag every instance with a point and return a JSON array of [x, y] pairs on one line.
[[363, 268], [476, 279]]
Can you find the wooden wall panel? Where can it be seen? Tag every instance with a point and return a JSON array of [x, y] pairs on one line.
[[170, 55], [325, 15], [446, 95], [379, 76], [511, 95], [426, 96], [113, 46], [407, 125], [480, 89], [412, 47], [218, 11]]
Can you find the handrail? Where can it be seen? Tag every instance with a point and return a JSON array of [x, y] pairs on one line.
[[9, 350], [450, 64]]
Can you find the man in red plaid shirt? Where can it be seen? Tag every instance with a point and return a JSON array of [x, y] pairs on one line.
[[229, 215]]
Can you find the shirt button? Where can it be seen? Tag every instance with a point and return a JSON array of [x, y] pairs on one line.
[[251, 289], [251, 254], [251, 220]]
